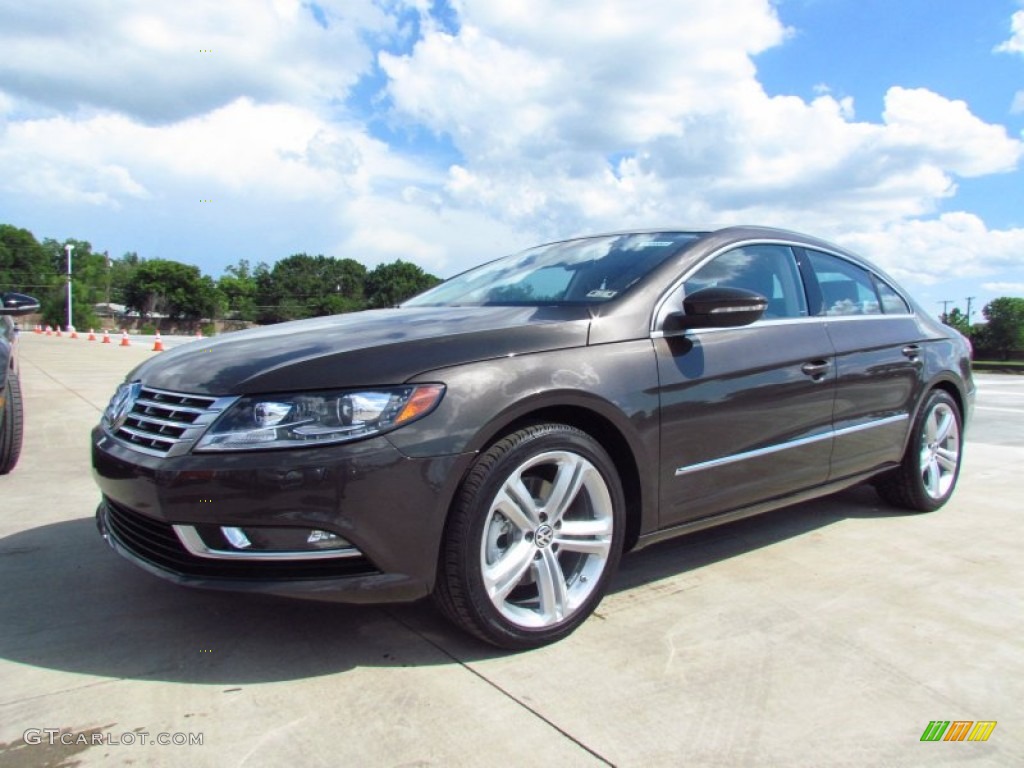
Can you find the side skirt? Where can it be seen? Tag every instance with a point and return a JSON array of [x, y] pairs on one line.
[[756, 509]]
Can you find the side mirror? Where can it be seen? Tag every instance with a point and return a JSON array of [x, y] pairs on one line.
[[720, 308], [17, 304]]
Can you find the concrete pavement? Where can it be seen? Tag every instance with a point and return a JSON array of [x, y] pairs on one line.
[[828, 633]]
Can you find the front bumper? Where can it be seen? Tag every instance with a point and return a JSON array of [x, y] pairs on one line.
[[390, 507]]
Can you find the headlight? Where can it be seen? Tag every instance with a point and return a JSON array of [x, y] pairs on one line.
[[314, 419]]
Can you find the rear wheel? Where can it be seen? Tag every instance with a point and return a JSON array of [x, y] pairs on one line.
[[928, 473], [12, 425], [534, 537]]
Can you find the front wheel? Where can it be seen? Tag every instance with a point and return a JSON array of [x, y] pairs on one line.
[[534, 537], [928, 473], [11, 424]]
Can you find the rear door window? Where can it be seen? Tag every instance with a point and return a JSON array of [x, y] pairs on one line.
[[846, 289]]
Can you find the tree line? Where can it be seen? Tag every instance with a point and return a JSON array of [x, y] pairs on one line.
[[295, 287], [1001, 335]]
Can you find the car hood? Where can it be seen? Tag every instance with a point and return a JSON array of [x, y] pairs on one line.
[[375, 347]]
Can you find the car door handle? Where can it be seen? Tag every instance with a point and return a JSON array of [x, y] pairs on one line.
[[816, 370], [913, 351]]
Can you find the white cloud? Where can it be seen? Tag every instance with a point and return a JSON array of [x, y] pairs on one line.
[[659, 118], [945, 132], [955, 245], [1016, 42], [567, 116], [162, 62]]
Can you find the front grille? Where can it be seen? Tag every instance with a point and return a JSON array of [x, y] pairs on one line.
[[156, 543], [168, 423]]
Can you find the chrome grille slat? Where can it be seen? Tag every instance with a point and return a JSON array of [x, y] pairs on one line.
[[162, 423], [166, 406]]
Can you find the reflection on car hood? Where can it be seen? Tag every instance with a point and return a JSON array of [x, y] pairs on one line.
[[375, 347]]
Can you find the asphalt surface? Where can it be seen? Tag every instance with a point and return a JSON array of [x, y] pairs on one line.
[[826, 634]]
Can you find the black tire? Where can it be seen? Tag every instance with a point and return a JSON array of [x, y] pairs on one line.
[[12, 426], [522, 572], [928, 473]]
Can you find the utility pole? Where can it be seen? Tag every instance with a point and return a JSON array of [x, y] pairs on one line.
[[945, 305], [969, 300], [69, 248]]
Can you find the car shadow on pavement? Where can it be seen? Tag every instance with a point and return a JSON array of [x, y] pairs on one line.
[[696, 550], [71, 604]]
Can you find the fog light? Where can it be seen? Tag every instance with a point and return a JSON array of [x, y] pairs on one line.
[[236, 537], [326, 540]]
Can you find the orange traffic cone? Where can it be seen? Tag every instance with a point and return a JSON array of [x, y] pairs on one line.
[[106, 337], [49, 331], [199, 333], [74, 333], [92, 335], [38, 329], [158, 344], [124, 339], [58, 332]]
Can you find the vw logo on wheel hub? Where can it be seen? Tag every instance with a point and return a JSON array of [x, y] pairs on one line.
[[543, 536]]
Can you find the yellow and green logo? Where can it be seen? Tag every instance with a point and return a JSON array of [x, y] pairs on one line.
[[958, 730]]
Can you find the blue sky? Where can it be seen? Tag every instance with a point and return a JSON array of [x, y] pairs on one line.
[[446, 133]]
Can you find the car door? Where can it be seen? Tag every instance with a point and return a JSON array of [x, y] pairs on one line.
[[745, 412], [879, 361]]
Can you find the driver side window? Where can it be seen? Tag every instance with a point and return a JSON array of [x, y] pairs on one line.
[[767, 270]]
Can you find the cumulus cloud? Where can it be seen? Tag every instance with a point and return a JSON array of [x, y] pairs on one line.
[[162, 62], [565, 116], [1016, 42], [656, 116], [928, 251]]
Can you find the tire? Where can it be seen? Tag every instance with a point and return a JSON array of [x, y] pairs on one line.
[[928, 473], [12, 425], [534, 536]]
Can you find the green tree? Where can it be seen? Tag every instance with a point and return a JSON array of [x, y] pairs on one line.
[[1005, 317], [87, 274], [957, 319], [239, 287], [308, 286], [24, 264], [119, 274], [172, 288], [391, 284]]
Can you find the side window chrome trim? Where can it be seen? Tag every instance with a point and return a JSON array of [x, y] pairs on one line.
[[799, 442], [760, 324]]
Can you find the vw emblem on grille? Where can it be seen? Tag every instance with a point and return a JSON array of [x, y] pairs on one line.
[[125, 398], [543, 536]]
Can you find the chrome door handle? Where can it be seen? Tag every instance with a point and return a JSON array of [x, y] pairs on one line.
[[913, 351], [817, 369]]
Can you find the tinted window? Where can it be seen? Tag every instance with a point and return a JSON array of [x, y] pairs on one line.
[[768, 270], [846, 289], [892, 302]]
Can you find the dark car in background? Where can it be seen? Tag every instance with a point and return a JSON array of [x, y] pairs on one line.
[[501, 439], [12, 417]]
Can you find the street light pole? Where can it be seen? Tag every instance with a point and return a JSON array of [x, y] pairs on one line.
[[69, 248]]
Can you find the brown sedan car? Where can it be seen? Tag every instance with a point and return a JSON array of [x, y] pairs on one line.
[[500, 440]]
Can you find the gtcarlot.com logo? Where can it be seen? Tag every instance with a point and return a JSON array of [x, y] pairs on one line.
[[958, 730], [54, 736]]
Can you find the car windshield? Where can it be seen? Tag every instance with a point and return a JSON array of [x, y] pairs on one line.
[[586, 271]]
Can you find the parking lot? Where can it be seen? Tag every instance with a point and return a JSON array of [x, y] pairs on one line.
[[828, 633]]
